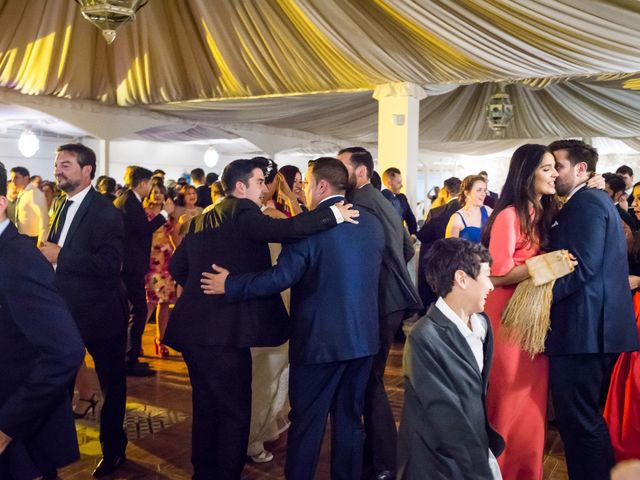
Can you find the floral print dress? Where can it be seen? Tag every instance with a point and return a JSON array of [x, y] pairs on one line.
[[160, 287]]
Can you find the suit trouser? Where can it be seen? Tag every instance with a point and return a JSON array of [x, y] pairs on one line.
[[579, 386], [315, 391], [108, 357], [136, 295], [379, 424], [221, 382]]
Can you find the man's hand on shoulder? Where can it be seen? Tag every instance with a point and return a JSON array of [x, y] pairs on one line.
[[5, 440], [349, 214], [213, 283]]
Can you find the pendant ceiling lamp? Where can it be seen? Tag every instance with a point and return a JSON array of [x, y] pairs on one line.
[[109, 15], [499, 112]]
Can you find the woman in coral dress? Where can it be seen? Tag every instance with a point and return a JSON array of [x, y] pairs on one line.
[[518, 384]]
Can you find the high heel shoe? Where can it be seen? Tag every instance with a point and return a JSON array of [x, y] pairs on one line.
[[161, 350], [93, 401]]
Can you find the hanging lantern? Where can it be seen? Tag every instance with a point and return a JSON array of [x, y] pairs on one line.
[[211, 157], [499, 112], [28, 143], [109, 15]]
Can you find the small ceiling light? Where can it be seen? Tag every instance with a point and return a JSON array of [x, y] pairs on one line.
[[211, 157], [28, 143], [109, 15], [499, 112]]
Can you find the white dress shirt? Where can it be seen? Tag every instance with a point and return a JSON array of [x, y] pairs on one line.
[[475, 337], [71, 212], [31, 215]]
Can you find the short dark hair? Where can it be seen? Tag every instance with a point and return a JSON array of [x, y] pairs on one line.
[[392, 171], [448, 255], [332, 171], [615, 182], [452, 185], [140, 174], [625, 170], [23, 172], [197, 174], [239, 170], [484, 173], [84, 155], [3, 180], [359, 156], [211, 177], [577, 152], [159, 171], [216, 187], [108, 183]]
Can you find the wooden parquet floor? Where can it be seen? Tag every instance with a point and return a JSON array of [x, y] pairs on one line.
[[159, 428]]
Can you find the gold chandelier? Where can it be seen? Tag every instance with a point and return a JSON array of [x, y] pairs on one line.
[[109, 15]]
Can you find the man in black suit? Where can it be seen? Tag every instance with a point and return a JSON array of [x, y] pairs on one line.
[[615, 187], [202, 189], [592, 318], [40, 351], [138, 231], [392, 181], [626, 172], [85, 244], [492, 197], [333, 337], [434, 228], [214, 335], [396, 295]]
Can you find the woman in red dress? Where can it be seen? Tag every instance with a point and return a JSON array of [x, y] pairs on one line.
[[517, 230]]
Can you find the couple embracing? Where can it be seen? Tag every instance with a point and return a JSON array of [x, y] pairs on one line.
[[592, 317]]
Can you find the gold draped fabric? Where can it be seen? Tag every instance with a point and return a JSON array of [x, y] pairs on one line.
[[311, 65]]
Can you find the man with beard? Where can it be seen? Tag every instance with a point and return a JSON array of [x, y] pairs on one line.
[[592, 317], [396, 295], [85, 244]]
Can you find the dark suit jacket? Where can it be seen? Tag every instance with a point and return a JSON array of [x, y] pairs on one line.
[[401, 204], [397, 291], [233, 235], [592, 311], [444, 432], [334, 289], [137, 233], [204, 196], [491, 199], [40, 352], [88, 271], [434, 228]]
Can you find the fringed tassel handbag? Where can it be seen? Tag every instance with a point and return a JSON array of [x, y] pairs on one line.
[[526, 318]]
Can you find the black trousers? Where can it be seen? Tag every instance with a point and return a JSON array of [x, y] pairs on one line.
[[315, 391], [579, 386], [108, 357], [379, 424], [136, 295], [221, 382]]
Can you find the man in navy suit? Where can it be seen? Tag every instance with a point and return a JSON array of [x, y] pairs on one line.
[[592, 317], [334, 333], [40, 351], [392, 181]]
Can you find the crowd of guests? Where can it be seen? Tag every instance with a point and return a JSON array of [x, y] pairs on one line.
[[288, 290]]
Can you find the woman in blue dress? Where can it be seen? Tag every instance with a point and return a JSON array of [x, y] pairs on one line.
[[469, 221]]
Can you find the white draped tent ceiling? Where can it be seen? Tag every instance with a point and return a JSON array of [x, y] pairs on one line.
[[306, 69]]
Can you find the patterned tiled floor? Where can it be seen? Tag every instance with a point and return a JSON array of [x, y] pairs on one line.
[[159, 424]]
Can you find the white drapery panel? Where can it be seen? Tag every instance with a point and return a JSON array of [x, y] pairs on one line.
[[212, 49]]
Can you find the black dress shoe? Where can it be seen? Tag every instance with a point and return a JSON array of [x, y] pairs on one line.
[[52, 475], [107, 465]]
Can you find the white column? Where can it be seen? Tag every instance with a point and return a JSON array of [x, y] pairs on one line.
[[102, 157], [398, 121]]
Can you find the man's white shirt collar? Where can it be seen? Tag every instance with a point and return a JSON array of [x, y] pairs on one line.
[[575, 189]]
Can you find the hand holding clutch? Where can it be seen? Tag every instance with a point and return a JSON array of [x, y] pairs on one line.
[[550, 266]]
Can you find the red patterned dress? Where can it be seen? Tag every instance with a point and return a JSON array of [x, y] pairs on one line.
[[160, 287]]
